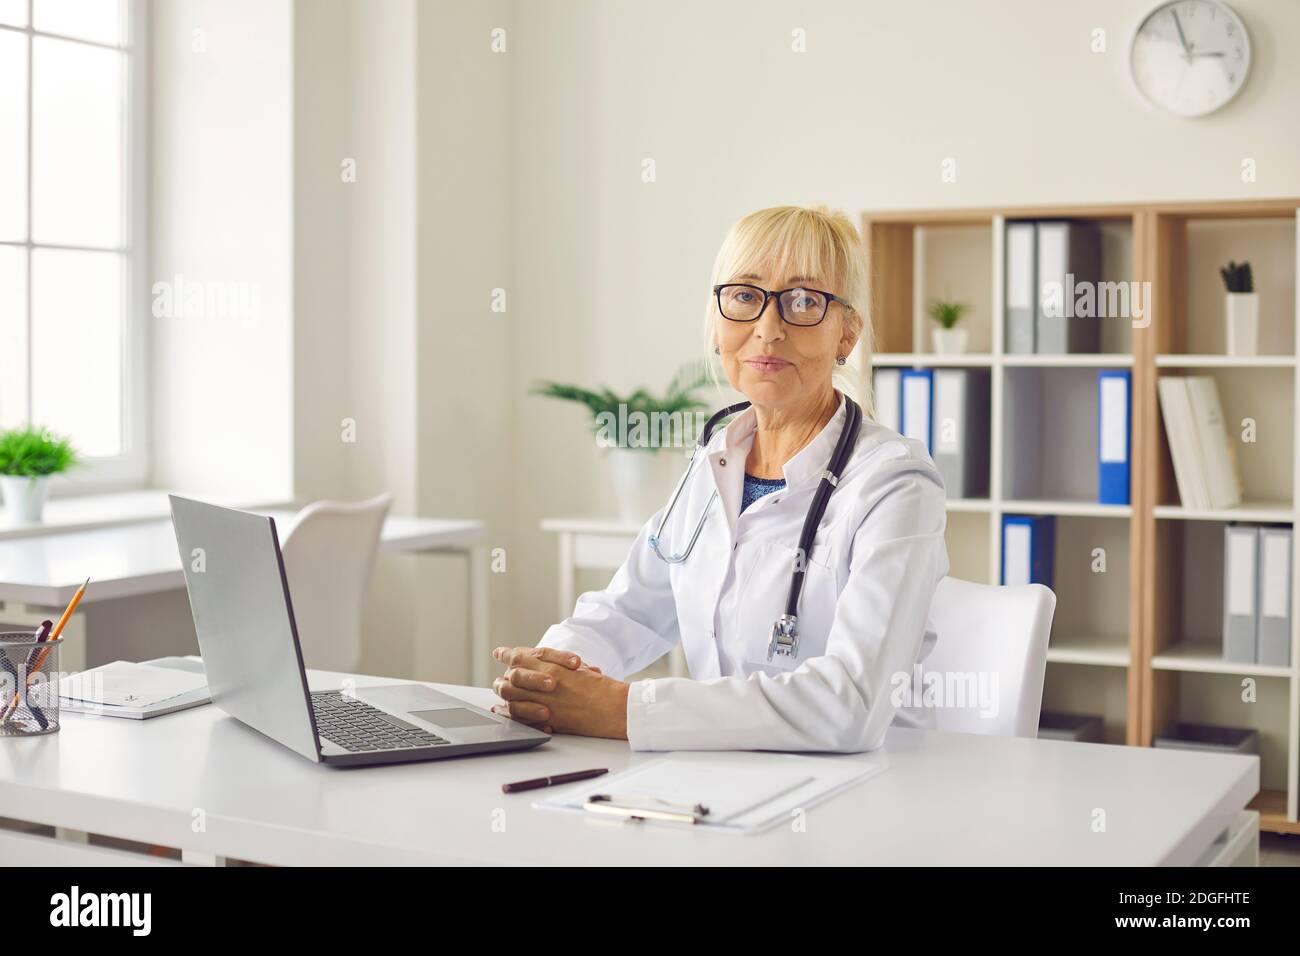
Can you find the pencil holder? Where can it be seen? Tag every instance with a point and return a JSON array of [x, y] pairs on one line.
[[29, 685]]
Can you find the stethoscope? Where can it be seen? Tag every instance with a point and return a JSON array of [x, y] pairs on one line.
[[784, 639]]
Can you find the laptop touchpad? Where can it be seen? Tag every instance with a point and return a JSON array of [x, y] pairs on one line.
[[452, 717]]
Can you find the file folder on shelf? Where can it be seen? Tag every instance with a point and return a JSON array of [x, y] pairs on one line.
[[1114, 440], [1028, 549], [1021, 288], [1176, 411], [1205, 462], [1069, 259], [1273, 633], [886, 386], [916, 407], [961, 431], [1240, 551], [1217, 458]]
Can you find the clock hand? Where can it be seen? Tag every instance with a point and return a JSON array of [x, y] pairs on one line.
[[1213, 53], [1182, 38]]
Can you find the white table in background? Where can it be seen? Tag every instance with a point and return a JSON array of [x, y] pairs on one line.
[[596, 544], [39, 574], [946, 799]]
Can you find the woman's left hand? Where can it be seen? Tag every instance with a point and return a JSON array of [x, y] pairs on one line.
[[582, 701]]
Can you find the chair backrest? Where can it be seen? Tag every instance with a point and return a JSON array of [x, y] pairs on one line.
[[991, 650], [328, 555]]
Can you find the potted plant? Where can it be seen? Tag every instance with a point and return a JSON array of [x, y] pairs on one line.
[[28, 456], [636, 428], [1242, 311], [948, 339]]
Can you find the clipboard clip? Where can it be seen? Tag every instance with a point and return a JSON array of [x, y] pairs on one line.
[[645, 808]]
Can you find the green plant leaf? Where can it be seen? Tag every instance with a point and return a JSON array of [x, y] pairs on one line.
[[947, 313], [680, 396], [34, 452]]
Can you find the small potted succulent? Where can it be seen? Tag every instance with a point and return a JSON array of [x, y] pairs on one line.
[[948, 339], [635, 428], [1242, 310], [28, 456]]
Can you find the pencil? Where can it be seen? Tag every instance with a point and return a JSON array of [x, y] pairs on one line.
[[45, 651], [72, 606]]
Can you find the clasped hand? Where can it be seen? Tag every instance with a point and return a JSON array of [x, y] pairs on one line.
[[554, 691]]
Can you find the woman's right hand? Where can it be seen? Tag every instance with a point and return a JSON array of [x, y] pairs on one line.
[[522, 674]]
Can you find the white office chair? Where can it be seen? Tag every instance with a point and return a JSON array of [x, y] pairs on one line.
[[328, 556], [985, 630]]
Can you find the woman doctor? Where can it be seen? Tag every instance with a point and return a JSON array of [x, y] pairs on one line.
[[782, 316]]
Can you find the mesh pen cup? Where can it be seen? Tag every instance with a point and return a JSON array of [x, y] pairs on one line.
[[29, 685]]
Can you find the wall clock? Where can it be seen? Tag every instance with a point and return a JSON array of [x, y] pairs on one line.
[[1190, 57]]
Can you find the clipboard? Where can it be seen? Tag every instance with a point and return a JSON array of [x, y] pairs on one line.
[[737, 793]]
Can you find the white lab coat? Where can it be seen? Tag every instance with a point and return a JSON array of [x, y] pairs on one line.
[[876, 559]]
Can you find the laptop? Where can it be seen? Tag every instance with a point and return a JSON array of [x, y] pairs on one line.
[[239, 595]]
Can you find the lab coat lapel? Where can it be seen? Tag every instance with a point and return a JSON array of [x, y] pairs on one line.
[[728, 465]]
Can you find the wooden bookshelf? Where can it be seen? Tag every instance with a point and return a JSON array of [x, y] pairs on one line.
[[1152, 662]]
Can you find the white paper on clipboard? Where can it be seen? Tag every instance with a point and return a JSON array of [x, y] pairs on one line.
[[745, 792]]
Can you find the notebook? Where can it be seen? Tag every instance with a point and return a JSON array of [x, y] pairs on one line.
[[161, 686], [744, 792]]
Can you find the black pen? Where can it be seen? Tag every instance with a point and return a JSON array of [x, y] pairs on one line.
[[558, 779]]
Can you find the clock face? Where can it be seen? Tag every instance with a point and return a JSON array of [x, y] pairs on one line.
[[1190, 57]]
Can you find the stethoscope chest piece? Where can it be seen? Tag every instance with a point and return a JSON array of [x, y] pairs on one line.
[[784, 639]]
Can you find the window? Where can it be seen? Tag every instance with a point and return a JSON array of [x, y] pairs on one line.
[[71, 230]]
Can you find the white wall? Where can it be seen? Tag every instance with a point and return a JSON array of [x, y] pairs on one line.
[[522, 171], [392, 276], [464, 355], [220, 162], [610, 272], [321, 240]]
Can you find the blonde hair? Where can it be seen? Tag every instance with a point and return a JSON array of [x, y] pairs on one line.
[[798, 240]]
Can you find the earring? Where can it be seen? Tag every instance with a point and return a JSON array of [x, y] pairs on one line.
[[840, 360], [717, 350]]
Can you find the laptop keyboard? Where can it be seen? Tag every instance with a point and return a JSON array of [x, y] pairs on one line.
[[355, 725]]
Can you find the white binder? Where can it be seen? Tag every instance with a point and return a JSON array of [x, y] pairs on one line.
[[1021, 298], [1217, 461], [1176, 410], [1069, 256], [1273, 635], [1240, 550], [886, 385]]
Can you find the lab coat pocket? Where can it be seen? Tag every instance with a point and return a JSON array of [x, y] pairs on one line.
[[766, 591]]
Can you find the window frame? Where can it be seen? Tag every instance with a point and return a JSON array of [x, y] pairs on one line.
[[130, 467]]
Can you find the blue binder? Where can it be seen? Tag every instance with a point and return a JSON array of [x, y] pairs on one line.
[[917, 421], [1033, 549], [1114, 435]]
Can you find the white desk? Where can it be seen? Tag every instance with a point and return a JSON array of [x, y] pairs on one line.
[[946, 799], [40, 574]]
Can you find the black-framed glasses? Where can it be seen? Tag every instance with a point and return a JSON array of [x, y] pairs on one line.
[[741, 302]]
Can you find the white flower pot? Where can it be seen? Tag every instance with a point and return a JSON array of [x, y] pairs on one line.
[[949, 341], [1242, 330], [24, 498], [642, 481]]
